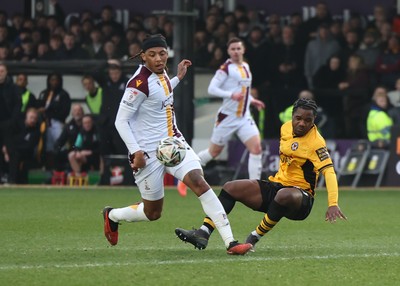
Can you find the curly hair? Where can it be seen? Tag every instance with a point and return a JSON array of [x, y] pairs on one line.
[[305, 103]]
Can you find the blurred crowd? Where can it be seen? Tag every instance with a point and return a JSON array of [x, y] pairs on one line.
[[354, 62]]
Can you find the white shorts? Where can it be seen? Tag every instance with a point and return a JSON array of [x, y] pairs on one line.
[[244, 127], [150, 179]]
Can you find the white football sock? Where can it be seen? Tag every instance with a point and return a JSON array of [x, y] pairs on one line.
[[256, 234], [214, 209], [255, 166], [203, 227], [205, 157], [129, 214]]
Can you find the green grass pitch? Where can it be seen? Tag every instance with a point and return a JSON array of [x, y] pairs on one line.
[[54, 236]]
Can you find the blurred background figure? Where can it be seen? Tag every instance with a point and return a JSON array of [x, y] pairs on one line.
[[379, 122], [21, 151], [85, 154], [94, 96], [66, 141], [10, 107], [28, 99], [54, 104]]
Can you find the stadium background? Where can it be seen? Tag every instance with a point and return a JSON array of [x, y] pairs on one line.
[[196, 119]]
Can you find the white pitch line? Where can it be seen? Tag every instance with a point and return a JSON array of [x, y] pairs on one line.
[[247, 258]]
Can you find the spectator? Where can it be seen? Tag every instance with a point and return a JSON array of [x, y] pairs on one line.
[[133, 49], [151, 25], [131, 35], [295, 21], [218, 58], [42, 50], [356, 24], [243, 25], [202, 54], [71, 50], [309, 29], [56, 49], [27, 97], [66, 141], [221, 34], [379, 122], [318, 51], [94, 96], [385, 33], [335, 29], [107, 19], [387, 65], [120, 46], [21, 151], [10, 106], [113, 89], [54, 105], [379, 18], [87, 28], [286, 62], [4, 53], [257, 50], [329, 75], [240, 11], [16, 24], [274, 34], [394, 95], [51, 24], [369, 51], [95, 47], [394, 114], [230, 19], [75, 28], [211, 23], [355, 90], [86, 148], [4, 40], [109, 51], [350, 46], [26, 51]]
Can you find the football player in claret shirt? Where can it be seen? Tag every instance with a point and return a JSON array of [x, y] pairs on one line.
[[290, 192], [145, 116]]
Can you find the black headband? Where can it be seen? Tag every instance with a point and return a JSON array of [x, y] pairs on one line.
[[152, 42]]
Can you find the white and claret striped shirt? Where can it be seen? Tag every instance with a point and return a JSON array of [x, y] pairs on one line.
[[228, 79], [146, 112]]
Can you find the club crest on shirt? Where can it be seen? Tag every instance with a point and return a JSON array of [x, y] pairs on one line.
[[322, 153], [295, 146]]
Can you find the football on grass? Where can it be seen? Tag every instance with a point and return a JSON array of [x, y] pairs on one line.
[[171, 151]]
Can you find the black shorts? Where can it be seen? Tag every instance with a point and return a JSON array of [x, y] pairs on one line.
[[268, 193]]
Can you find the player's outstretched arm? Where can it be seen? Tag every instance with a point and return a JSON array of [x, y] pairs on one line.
[[333, 211], [182, 68]]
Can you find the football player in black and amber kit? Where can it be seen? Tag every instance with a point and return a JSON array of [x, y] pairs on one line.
[[290, 192]]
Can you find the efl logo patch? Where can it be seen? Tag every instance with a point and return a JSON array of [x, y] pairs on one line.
[[295, 146], [322, 153], [131, 95]]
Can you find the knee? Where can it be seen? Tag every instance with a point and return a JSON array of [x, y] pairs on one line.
[[71, 156], [228, 187], [256, 149], [285, 197], [153, 215]]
